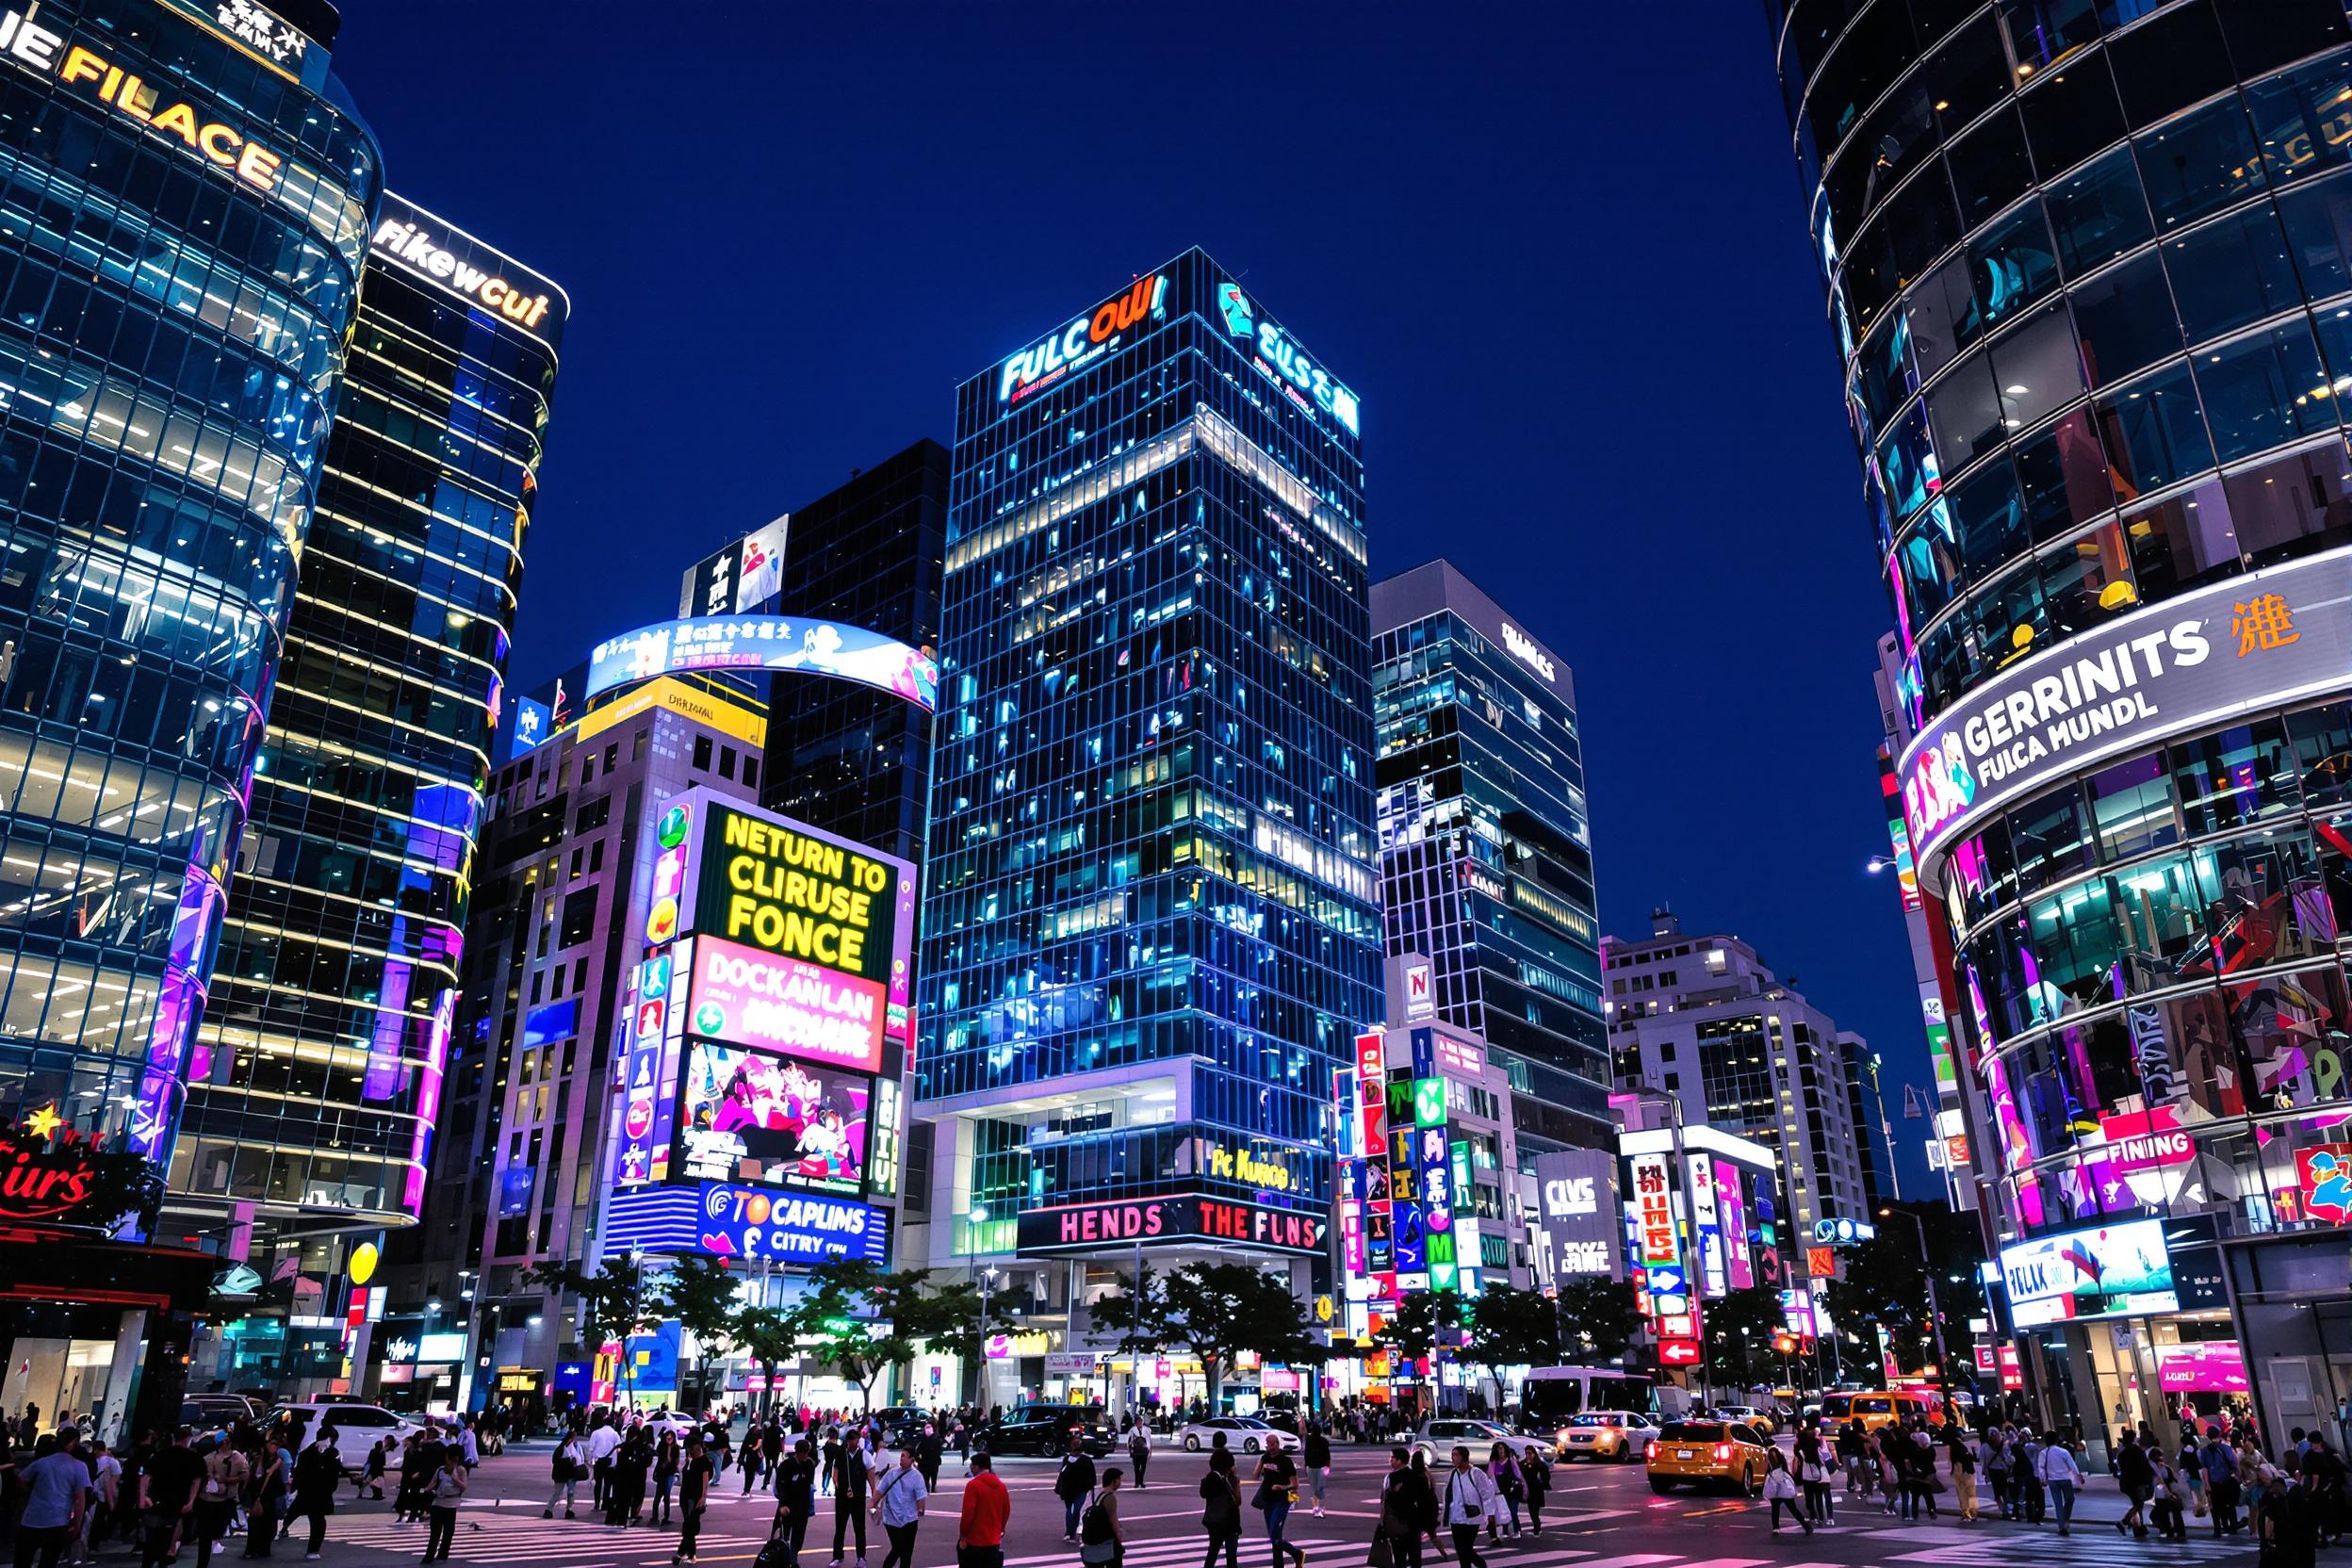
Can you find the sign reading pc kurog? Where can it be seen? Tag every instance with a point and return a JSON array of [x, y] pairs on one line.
[[2239, 645]]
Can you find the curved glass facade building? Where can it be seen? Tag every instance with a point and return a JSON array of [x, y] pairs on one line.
[[182, 220], [320, 1060], [2089, 269]]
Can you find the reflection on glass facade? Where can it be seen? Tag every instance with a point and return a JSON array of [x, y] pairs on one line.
[[180, 272], [1151, 931], [318, 1066], [842, 757], [1486, 849], [2090, 270]]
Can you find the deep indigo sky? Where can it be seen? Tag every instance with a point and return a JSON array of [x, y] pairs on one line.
[[1560, 257]]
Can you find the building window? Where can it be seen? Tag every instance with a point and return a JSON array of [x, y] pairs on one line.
[[726, 761], [702, 754]]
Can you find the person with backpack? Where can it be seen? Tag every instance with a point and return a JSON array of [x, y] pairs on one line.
[[2136, 1477], [1780, 1491], [1102, 1539], [1504, 1471], [1073, 1484], [1278, 1491], [1470, 1500], [850, 1478], [1220, 1509], [570, 1466], [1139, 1451], [1407, 1509], [2220, 1463], [898, 1503], [2171, 1496]]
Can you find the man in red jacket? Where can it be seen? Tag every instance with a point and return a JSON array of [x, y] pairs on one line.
[[980, 1527]]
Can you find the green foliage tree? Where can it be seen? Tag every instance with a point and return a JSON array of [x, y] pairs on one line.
[[770, 1336], [1597, 1318], [863, 1321], [1220, 1310], [700, 1293], [612, 1304], [1413, 1328], [1513, 1328]]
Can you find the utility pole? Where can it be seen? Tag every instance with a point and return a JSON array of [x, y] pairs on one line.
[[1934, 1307]]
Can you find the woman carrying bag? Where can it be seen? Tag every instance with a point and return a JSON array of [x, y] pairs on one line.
[[1220, 1510]]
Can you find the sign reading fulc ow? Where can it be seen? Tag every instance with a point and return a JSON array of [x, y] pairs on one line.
[[772, 886]]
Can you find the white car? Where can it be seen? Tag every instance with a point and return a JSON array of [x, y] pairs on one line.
[[1610, 1434], [1245, 1435], [1437, 1440], [357, 1428]]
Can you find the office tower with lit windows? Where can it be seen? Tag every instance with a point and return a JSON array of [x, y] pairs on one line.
[[1486, 847], [1151, 931], [2090, 282], [320, 1060], [184, 209]]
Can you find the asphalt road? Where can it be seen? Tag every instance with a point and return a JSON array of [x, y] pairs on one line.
[[1598, 1517]]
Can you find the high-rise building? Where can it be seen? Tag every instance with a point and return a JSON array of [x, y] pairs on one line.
[[2089, 279], [321, 1056], [1486, 848], [1150, 934], [184, 210], [845, 758], [565, 885], [1702, 1019]]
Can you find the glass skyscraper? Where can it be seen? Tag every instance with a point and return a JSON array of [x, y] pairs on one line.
[[2089, 272], [184, 209], [319, 1062], [1486, 845], [1150, 933]]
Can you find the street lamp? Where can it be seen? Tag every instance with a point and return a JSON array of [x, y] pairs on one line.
[[1934, 1307]]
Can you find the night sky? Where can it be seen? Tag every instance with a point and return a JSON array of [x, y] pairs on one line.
[[1559, 250]]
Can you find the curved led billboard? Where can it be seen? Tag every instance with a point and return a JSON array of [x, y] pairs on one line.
[[2249, 643], [765, 642]]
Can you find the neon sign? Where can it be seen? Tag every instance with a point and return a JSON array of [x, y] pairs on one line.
[[1280, 359], [419, 251], [38, 47], [1084, 341]]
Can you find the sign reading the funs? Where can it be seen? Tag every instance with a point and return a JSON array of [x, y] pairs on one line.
[[796, 895], [2247, 643], [1085, 340], [745, 997]]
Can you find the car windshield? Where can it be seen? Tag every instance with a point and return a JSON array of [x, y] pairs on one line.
[[1694, 1432], [1836, 1404], [1598, 1418]]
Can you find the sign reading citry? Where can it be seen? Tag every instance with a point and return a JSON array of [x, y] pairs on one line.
[[2237, 646]]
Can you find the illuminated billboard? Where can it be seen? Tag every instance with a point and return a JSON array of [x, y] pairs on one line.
[[782, 888], [2201, 659], [742, 996], [2106, 1271], [766, 643], [763, 1120]]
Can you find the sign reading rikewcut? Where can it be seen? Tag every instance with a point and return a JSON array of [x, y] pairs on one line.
[[2237, 646]]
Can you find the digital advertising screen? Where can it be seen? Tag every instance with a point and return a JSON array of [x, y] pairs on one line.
[[766, 643], [2108, 1271], [757, 1120], [742, 996]]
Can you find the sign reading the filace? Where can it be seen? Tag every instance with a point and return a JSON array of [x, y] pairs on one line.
[[2247, 643]]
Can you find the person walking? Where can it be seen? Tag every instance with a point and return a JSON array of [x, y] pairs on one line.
[[1407, 1509], [1920, 1484], [171, 1482], [1470, 1500], [2056, 1468], [898, 1503], [850, 1476], [1101, 1538], [55, 1489], [1998, 1459], [371, 1471], [1780, 1491], [2136, 1478], [1535, 1474], [1963, 1459], [317, 1474], [448, 1490], [1277, 1492], [1852, 1447], [567, 1468], [1317, 1459], [1503, 1470], [668, 1455], [693, 1495], [795, 1498], [1220, 1509], [1073, 1484], [1138, 1451], [2220, 1463], [2168, 1510], [604, 1436], [1814, 1461], [980, 1521]]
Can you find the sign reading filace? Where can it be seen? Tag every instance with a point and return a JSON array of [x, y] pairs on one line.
[[2239, 645]]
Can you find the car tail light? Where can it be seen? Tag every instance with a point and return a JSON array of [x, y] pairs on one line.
[[1722, 1452], [1650, 1451]]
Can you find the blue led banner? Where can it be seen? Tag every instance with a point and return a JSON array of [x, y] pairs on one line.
[[766, 643]]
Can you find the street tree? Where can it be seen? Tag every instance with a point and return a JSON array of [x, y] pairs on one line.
[[610, 1302], [1219, 1311], [770, 1336], [1412, 1330], [863, 1321], [1513, 1328], [1739, 1327], [701, 1294], [1597, 1318]]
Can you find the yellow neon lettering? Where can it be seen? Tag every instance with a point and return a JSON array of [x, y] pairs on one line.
[[180, 121], [259, 166], [493, 291], [128, 99], [81, 66], [210, 139]]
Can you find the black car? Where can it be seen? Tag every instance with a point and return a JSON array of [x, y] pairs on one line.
[[1050, 1430], [902, 1425]]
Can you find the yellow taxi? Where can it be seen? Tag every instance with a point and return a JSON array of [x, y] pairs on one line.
[[1728, 1452], [1872, 1409], [1599, 1434]]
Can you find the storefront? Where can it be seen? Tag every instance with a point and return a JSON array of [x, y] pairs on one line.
[[98, 1327]]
